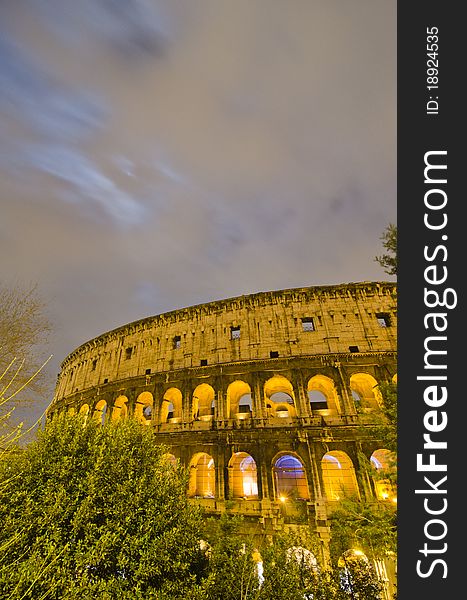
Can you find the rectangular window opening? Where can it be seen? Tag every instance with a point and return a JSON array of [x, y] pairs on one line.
[[94, 365], [128, 353], [177, 342], [308, 324], [274, 354], [353, 349], [235, 333], [384, 319], [204, 362], [148, 371]]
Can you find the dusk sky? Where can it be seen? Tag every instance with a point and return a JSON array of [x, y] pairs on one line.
[[157, 154]]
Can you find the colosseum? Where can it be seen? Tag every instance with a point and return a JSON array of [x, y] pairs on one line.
[[264, 397]]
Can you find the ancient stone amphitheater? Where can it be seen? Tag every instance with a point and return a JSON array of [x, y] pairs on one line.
[[264, 397]]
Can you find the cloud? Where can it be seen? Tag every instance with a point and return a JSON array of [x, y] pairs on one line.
[[167, 154]]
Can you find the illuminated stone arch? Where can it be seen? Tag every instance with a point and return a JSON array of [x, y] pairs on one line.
[[243, 481], [202, 481], [339, 477], [100, 412], [290, 479], [382, 460], [279, 397], [365, 392], [171, 407], [71, 411], [239, 402], [322, 395], [120, 408], [144, 407], [203, 402], [303, 557], [84, 410]]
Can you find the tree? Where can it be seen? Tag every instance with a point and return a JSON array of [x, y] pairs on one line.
[[389, 260], [368, 525], [24, 332], [92, 511], [247, 567]]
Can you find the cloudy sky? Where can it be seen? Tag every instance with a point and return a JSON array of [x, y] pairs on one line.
[[161, 153]]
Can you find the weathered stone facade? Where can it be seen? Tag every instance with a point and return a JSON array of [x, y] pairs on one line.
[[260, 395]]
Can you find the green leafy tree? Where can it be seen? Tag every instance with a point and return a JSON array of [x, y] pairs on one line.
[[368, 526], [388, 260], [95, 512], [246, 567]]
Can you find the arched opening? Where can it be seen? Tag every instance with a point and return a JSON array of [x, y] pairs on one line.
[[143, 408], [202, 483], [338, 476], [203, 402], [290, 478], [239, 401], [100, 412], [279, 397], [171, 407], [349, 562], [365, 392], [84, 410], [303, 557], [71, 411], [243, 482], [120, 409], [323, 396], [382, 461]]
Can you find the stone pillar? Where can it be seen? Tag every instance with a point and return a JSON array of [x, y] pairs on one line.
[[303, 406], [257, 394], [220, 475], [348, 406]]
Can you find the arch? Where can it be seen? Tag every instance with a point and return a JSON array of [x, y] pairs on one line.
[[339, 478], [71, 411], [171, 407], [279, 397], [100, 412], [202, 482], [383, 460], [84, 410], [243, 482], [303, 557], [365, 392], [290, 478], [143, 408], [239, 400], [120, 408], [322, 395], [203, 402]]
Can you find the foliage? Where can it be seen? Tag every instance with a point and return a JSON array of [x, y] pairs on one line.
[[369, 526], [387, 431], [94, 512], [287, 572], [388, 260]]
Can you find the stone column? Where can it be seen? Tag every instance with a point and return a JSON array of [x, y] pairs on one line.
[[348, 406], [303, 406], [257, 393]]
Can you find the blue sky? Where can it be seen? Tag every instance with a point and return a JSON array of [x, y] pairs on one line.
[[157, 154]]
